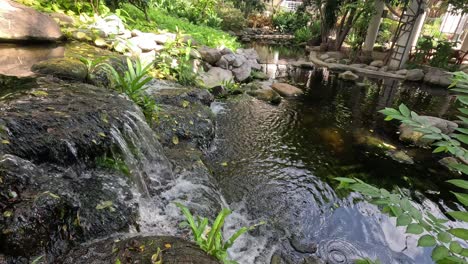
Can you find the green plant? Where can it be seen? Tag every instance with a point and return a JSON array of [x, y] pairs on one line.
[[232, 18], [303, 34], [210, 238], [132, 83], [443, 54], [290, 21], [432, 231], [113, 163], [230, 85], [92, 65]]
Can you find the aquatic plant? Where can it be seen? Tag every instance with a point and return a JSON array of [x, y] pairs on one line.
[[210, 238], [113, 163], [432, 231]]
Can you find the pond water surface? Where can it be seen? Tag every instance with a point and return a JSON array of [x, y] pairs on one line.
[[277, 163]]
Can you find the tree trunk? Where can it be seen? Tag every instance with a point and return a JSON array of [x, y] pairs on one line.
[[373, 29]]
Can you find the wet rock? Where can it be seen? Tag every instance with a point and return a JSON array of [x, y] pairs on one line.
[[21, 23], [415, 75], [448, 161], [383, 69], [377, 63], [348, 75], [358, 65], [64, 68], [303, 245], [210, 55], [408, 134], [267, 95], [330, 60], [439, 77], [139, 250], [215, 77], [400, 156], [242, 73], [55, 207], [166, 92], [285, 89], [67, 118]]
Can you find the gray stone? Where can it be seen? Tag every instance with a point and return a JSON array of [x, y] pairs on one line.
[[215, 77], [223, 63], [438, 76], [377, 63], [285, 89], [415, 75], [336, 55], [243, 72], [226, 51], [126, 34], [408, 134], [62, 19], [372, 68], [111, 25], [210, 55], [330, 60], [400, 156], [254, 64], [161, 38], [136, 33], [20, 23], [383, 69], [358, 65], [144, 43], [250, 54], [402, 72], [239, 60], [324, 56], [348, 75]]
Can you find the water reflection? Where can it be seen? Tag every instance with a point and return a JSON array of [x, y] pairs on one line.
[[16, 60], [282, 161]]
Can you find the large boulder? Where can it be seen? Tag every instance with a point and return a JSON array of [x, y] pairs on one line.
[[415, 75], [408, 134], [21, 23], [139, 249], [285, 89], [215, 77], [210, 55]]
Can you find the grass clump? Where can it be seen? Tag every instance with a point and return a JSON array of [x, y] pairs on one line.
[[210, 238]]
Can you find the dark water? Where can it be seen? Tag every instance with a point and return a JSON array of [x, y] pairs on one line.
[[277, 163]]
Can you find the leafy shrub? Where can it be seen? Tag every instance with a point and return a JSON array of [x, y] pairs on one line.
[[303, 34], [290, 21], [202, 34], [232, 18], [443, 54], [210, 238]]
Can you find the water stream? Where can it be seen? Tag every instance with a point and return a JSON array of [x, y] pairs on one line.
[[277, 163]]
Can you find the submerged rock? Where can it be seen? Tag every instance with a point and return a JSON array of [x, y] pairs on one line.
[[400, 156], [285, 89], [266, 94], [408, 134], [21, 23], [139, 250]]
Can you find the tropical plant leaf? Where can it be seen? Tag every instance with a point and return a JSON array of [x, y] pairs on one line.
[[426, 241]]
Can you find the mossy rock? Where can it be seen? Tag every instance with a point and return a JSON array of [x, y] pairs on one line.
[[64, 68]]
